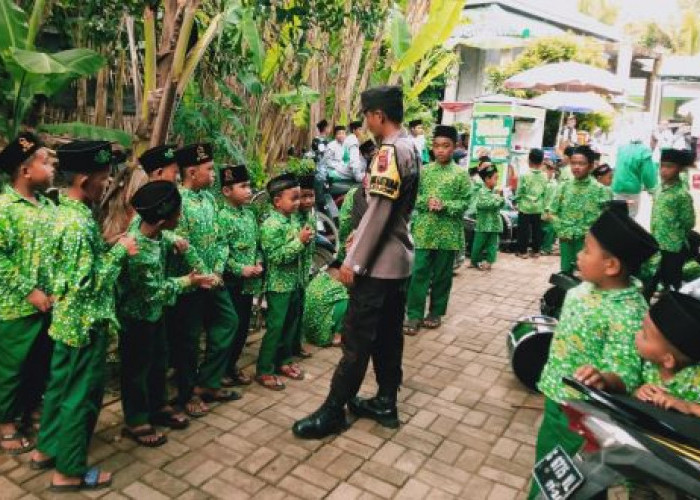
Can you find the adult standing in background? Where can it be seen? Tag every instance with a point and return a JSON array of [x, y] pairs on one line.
[[569, 134], [635, 171]]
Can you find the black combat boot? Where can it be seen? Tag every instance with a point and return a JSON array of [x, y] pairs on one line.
[[380, 408], [328, 419]]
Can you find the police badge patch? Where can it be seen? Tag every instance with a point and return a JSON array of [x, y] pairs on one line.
[[384, 173]]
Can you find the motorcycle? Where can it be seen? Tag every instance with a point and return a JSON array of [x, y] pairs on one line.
[[631, 450]]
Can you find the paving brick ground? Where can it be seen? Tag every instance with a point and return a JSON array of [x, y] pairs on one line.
[[468, 427]]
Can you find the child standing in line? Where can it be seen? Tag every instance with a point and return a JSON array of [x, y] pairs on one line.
[[307, 218], [325, 305], [598, 323], [576, 206], [244, 267], [489, 223], [530, 198], [26, 237], [438, 232], [83, 319], [672, 218], [283, 243]]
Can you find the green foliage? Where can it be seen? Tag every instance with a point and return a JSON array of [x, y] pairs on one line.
[[544, 51], [300, 166]]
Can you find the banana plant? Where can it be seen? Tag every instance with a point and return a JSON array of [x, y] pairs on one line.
[[31, 72]]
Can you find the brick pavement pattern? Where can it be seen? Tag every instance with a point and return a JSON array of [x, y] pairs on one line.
[[468, 427]]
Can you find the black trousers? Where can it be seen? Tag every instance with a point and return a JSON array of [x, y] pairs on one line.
[[669, 273], [529, 224], [373, 329], [243, 303]]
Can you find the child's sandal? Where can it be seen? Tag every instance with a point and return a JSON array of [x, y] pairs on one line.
[[25, 444], [432, 323], [292, 372], [270, 382]]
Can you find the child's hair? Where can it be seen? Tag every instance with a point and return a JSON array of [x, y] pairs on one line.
[[338, 128], [536, 156], [115, 211], [585, 151], [601, 170], [321, 126], [354, 126]]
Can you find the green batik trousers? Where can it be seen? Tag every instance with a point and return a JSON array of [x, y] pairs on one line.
[[143, 353], [25, 357], [432, 273], [283, 315], [213, 312], [297, 339], [554, 431], [485, 247], [73, 401], [548, 237], [569, 250]]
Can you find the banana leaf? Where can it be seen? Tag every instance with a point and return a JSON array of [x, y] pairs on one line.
[[436, 70], [301, 96], [38, 63], [399, 34], [81, 130], [13, 26], [251, 37]]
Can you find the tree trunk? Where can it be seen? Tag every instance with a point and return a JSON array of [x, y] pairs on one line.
[[118, 104], [101, 97], [370, 63]]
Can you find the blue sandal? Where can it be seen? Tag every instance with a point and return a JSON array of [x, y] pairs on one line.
[[89, 481]]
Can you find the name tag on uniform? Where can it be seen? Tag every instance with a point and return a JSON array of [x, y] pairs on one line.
[[557, 476]]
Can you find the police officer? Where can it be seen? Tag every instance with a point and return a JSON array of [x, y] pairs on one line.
[[377, 268]]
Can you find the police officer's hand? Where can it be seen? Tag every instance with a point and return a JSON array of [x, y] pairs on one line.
[[39, 300], [347, 276], [129, 243], [305, 235]]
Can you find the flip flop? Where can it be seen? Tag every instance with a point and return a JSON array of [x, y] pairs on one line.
[[270, 382], [292, 372], [47, 464], [195, 413], [89, 481], [27, 445], [168, 419], [237, 378], [431, 323], [411, 327], [142, 433], [220, 396]]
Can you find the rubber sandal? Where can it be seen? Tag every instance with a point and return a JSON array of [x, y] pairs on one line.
[[47, 464], [219, 396], [238, 378], [168, 419], [411, 327], [431, 323], [146, 432], [195, 413], [292, 372], [89, 481], [26, 447], [270, 382]]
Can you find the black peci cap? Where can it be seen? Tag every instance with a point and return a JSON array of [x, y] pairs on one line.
[[282, 182], [681, 157], [233, 174], [156, 201], [158, 157], [194, 155], [623, 237], [18, 151], [677, 316], [84, 156]]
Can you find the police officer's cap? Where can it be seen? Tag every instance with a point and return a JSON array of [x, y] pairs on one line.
[[84, 156], [158, 157], [233, 174], [194, 155], [18, 151], [156, 201], [681, 157], [678, 317], [386, 98], [445, 131], [624, 238], [282, 182]]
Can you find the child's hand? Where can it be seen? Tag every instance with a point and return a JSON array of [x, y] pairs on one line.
[[200, 280], [347, 277], [181, 246], [648, 392], [435, 205], [39, 300], [305, 235], [129, 243], [590, 376], [251, 271]]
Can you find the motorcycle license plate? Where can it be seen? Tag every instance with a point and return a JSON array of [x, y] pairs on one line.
[[556, 475]]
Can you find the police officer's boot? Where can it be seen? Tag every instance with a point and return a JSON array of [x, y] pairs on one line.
[[328, 419], [381, 408]]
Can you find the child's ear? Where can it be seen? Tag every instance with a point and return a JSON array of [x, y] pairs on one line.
[[23, 171], [669, 361], [82, 180], [613, 266]]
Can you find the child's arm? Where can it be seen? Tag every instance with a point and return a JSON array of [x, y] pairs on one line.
[[10, 273], [604, 381], [489, 200], [191, 256], [280, 245], [686, 217], [457, 205], [658, 396]]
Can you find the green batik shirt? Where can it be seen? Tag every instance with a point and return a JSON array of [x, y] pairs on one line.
[[143, 288], [345, 222], [181, 263], [576, 205], [86, 274], [532, 191], [443, 230], [27, 236], [597, 327], [283, 251], [565, 174], [672, 217], [321, 295], [476, 186], [549, 193], [198, 225], [239, 226], [308, 219], [488, 211], [684, 385]]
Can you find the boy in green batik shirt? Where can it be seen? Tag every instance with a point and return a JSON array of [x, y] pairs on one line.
[[144, 292], [667, 342], [438, 232], [244, 270], [489, 223], [598, 322], [530, 198], [307, 218], [26, 238], [672, 218], [565, 171], [209, 310], [283, 243], [325, 305], [576, 205], [549, 236], [83, 319]]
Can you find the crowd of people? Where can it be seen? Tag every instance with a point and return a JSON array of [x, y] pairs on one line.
[[169, 261]]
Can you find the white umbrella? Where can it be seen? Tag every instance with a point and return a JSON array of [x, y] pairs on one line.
[[690, 108], [573, 102], [566, 76]]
